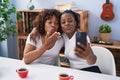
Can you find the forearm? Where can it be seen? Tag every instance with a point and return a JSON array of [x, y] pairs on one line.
[[30, 56], [91, 59]]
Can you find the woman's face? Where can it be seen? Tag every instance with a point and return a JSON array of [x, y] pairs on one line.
[[51, 24], [68, 24]]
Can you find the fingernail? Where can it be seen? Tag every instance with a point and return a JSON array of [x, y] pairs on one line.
[[47, 32]]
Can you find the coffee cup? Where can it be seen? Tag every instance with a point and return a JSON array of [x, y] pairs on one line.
[[22, 72], [65, 76]]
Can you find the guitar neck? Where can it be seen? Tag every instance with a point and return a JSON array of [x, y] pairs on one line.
[[107, 1]]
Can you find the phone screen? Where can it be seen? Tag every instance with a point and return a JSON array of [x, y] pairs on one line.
[[81, 37]]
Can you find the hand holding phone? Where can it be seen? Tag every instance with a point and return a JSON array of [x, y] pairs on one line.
[[81, 37]]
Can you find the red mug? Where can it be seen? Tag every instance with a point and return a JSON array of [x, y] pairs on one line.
[[22, 72], [64, 76]]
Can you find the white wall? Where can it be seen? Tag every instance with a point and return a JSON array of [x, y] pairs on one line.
[[3, 49], [93, 6]]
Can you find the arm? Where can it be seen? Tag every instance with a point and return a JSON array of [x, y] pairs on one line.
[[31, 53], [85, 52], [91, 58]]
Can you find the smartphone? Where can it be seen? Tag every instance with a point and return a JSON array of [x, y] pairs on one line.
[[81, 37]]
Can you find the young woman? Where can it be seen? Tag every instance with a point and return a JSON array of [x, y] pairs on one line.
[[80, 57], [47, 44]]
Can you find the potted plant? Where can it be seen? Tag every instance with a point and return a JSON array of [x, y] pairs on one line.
[[104, 32], [7, 25]]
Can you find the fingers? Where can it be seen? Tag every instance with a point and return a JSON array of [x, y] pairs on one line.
[[80, 54], [56, 35], [78, 50], [50, 32], [80, 46], [52, 38], [81, 50]]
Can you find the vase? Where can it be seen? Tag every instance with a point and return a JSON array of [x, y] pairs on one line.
[[105, 37], [31, 6]]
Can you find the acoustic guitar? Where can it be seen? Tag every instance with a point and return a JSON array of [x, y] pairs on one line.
[[107, 13]]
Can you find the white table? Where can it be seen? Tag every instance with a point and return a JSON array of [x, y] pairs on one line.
[[45, 72]]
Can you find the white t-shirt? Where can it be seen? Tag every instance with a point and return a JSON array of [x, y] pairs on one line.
[[75, 62], [50, 56]]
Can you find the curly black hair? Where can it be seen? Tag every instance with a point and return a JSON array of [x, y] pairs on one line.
[[43, 16], [75, 15]]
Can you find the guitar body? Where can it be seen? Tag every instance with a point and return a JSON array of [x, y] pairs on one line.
[[107, 13]]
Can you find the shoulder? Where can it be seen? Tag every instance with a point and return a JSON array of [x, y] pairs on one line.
[[31, 41]]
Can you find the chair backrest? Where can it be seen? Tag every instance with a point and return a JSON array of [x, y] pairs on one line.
[[105, 60]]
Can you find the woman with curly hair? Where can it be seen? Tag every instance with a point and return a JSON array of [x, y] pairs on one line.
[[47, 44]]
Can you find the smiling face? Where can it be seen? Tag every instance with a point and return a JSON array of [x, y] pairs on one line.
[[68, 24], [51, 24]]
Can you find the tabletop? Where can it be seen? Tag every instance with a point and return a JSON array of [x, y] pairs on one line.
[[39, 71], [115, 45]]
